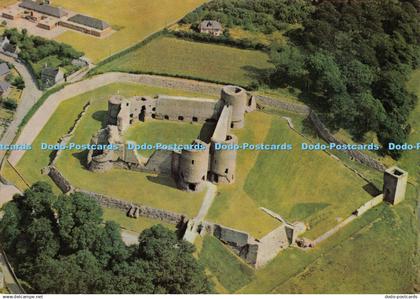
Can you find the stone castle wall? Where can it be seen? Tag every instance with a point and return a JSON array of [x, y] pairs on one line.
[[325, 134], [62, 183], [66, 138], [145, 211]]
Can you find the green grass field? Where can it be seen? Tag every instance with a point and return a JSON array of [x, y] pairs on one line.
[[165, 132], [133, 21], [171, 56], [229, 270], [296, 184], [374, 254]]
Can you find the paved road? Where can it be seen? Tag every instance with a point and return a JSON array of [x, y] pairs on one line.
[[30, 95], [43, 114]]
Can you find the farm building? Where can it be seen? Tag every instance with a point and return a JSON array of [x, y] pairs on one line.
[[4, 88], [51, 76], [45, 9], [4, 70], [87, 25], [211, 27]]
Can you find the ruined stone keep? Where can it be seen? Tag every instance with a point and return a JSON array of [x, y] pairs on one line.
[[191, 168], [395, 184]]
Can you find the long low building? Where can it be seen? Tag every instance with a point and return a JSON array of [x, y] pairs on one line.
[[45, 9], [48, 17], [87, 25]]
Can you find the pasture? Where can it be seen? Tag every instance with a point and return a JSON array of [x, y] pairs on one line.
[[176, 57], [133, 21]]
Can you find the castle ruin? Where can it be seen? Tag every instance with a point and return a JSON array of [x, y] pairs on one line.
[[190, 167]]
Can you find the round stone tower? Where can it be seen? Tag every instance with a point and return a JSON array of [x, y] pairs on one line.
[[193, 167], [237, 98], [114, 107], [223, 161]]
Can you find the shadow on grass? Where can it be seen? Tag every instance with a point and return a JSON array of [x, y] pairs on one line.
[[371, 189], [162, 180], [81, 156], [101, 117]]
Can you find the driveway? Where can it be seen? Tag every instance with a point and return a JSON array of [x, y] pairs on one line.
[[30, 95]]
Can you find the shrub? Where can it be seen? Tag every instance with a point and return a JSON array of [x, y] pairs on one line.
[[10, 104]]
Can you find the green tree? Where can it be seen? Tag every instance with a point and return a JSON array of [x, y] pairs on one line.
[[60, 245]]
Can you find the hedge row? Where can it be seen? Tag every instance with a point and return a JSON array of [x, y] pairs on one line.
[[223, 39]]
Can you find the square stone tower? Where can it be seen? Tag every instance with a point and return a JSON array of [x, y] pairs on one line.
[[395, 184]]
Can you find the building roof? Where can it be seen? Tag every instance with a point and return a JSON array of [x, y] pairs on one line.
[[4, 86], [4, 69], [89, 22], [49, 72], [210, 24], [44, 8], [11, 48]]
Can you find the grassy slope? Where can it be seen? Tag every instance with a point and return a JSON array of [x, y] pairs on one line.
[[411, 159], [173, 56], [231, 272], [374, 254], [297, 185], [377, 259], [134, 20]]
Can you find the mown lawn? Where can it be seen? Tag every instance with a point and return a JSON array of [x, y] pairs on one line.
[[229, 270], [171, 56], [165, 132], [133, 21], [131, 186]]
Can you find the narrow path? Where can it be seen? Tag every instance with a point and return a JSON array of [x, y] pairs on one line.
[[207, 202], [30, 95], [192, 227]]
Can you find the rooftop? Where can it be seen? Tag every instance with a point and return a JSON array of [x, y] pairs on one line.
[[210, 24], [43, 8], [4, 69], [4, 85], [89, 22], [49, 71]]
